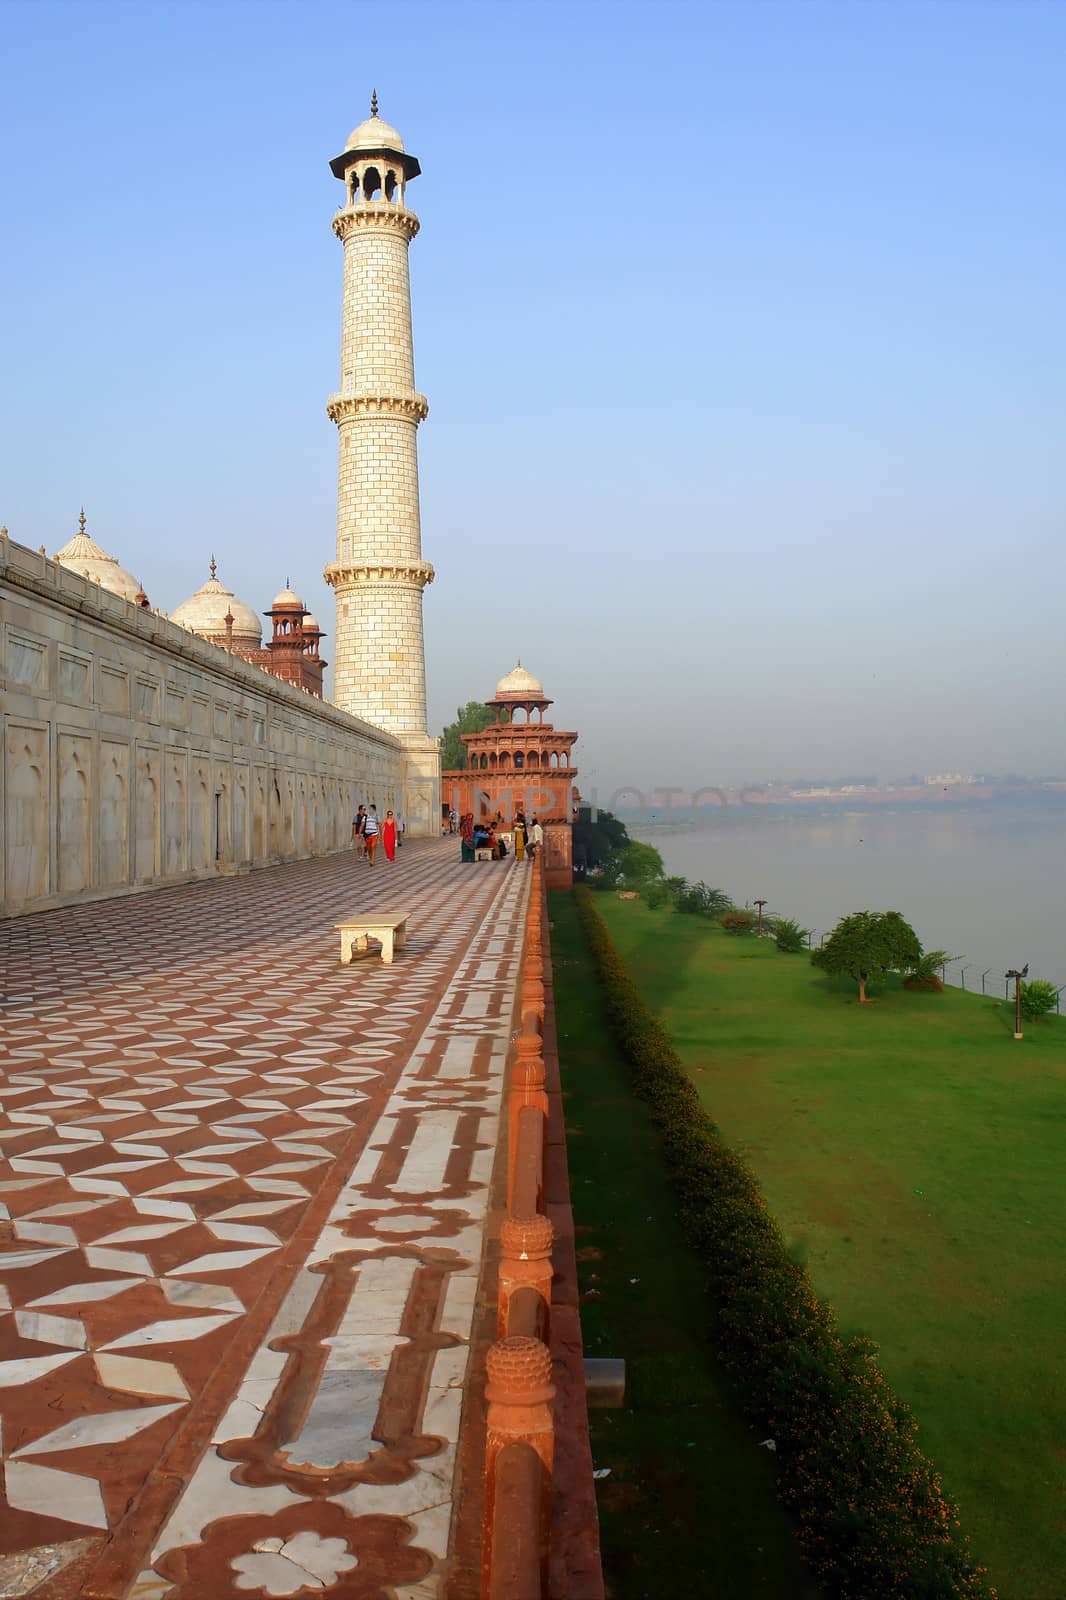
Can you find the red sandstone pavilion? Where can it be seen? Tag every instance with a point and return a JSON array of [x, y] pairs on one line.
[[521, 764]]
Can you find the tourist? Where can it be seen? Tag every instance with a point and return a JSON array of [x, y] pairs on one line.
[[390, 836], [453, 821], [371, 829], [401, 829], [358, 825], [536, 838], [520, 836]]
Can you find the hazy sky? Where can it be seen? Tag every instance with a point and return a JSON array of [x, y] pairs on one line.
[[742, 327]]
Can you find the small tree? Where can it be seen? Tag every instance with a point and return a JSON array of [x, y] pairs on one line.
[[868, 944], [470, 718], [1038, 998], [789, 936], [737, 922], [700, 900], [640, 862], [926, 971]]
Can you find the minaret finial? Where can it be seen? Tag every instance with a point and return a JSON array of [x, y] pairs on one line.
[[81, 521], [373, 102], [214, 568]]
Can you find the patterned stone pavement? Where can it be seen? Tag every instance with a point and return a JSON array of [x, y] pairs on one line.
[[244, 1189]]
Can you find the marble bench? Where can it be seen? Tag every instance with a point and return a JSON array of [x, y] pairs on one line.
[[388, 927]]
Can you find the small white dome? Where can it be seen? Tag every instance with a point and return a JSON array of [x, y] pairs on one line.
[[85, 557], [519, 685], [205, 613], [310, 625], [374, 134], [287, 599]]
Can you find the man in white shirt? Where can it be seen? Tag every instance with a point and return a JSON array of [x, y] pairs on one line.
[[536, 839], [371, 829]]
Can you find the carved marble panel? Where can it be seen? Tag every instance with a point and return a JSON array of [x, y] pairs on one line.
[[27, 661], [26, 795], [148, 814], [113, 689], [200, 822], [114, 812], [75, 678], [74, 832], [175, 812]]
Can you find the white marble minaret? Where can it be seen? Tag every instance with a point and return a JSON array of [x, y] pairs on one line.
[[379, 573]]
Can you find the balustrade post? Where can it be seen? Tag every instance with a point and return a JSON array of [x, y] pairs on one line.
[[525, 1263], [519, 1394]]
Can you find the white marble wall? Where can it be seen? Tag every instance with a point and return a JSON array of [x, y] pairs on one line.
[[135, 753]]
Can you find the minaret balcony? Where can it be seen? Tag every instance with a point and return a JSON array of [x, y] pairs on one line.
[[345, 407], [384, 215]]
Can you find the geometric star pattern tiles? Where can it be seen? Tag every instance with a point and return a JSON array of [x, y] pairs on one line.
[[243, 1197]]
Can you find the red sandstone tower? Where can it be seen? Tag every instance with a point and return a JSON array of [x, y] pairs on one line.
[[521, 762]]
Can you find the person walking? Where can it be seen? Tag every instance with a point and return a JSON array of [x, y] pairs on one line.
[[401, 829], [536, 838], [371, 829], [390, 836], [519, 835], [358, 824]]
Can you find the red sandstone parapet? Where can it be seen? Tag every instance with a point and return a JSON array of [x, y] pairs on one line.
[[539, 1528]]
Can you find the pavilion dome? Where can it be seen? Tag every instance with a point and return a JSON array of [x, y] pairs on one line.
[[519, 685], [374, 134], [85, 557], [205, 613], [287, 600], [311, 625]]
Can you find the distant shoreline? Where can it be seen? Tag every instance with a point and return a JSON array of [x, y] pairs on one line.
[[742, 802]]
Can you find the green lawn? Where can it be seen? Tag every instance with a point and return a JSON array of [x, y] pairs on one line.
[[914, 1155], [688, 1507]]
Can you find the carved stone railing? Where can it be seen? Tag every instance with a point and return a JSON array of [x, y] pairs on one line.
[[539, 1526]]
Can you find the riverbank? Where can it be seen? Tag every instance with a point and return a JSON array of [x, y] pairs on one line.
[[911, 1153], [687, 1502]]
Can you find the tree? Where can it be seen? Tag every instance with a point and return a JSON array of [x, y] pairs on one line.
[[868, 944], [640, 863], [470, 718], [1038, 998], [700, 900], [925, 972], [598, 839], [789, 936]]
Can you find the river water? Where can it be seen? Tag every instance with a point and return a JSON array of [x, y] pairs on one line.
[[984, 882]]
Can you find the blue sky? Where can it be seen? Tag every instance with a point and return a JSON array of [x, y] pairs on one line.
[[741, 326]]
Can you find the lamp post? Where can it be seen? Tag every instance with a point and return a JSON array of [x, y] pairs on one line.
[[760, 904], [1018, 976]]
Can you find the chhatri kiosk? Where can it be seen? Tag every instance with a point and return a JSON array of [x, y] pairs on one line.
[[520, 762]]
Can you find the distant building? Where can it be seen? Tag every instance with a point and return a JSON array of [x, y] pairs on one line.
[[520, 762]]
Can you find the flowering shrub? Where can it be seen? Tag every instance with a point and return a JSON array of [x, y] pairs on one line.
[[873, 1521], [737, 922]]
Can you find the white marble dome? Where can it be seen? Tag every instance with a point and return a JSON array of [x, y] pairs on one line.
[[205, 613], [85, 557], [374, 134], [287, 599], [519, 685]]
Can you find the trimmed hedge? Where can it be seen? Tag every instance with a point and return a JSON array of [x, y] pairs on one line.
[[873, 1521]]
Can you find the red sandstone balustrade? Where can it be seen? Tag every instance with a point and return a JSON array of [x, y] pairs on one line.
[[525, 1267], [527, 1089], [516, 1551], [527, 1170], [519, 1394]]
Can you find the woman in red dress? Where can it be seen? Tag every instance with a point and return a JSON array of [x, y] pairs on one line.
[[388, 836]]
